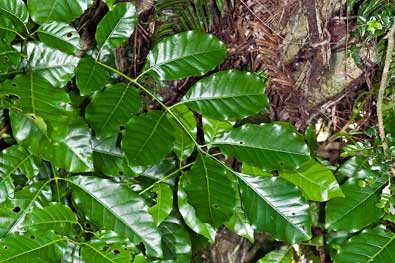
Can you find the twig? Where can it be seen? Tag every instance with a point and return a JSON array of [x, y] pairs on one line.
[[383, 84]]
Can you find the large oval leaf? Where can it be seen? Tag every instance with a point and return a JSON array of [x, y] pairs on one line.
[[43, 11], [209, 191], [230, 94], [114, 206], [90, 76], [16, 12], [269, 146], [148, 138], [273, 205], [117, 26], [349, 213], [315, 181], [112, 108], [371, 245], [61, 36], [185, 54]]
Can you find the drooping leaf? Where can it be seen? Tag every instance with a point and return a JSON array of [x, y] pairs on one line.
[[209, 191], [176, 242], [184, 55], [43, 11], [14, 211], [315, 181], [282, 255], [112, 108], [273, 205], [57, 217], [32, 247], [116, 26], [114, 206], [240, 225], [358, 209], [183, 145], [268, 146], [16, 12], [227, 94], [90, 76], [189, 215], [61, 36], [371, 245], [11, 159], [148, 138], [53, 65], [164, 203]]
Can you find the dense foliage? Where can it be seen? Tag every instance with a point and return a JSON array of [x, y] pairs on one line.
[[89, 172]]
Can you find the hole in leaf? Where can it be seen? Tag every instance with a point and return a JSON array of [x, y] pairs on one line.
[[6, 58], [16, 209], [32, 237], [120, 172], [215, 206], [116, 252], [87, 225], [281, 163], [5, 247], [13, 84], [241, 142], [105, 248], [293, 213], [69, 34]]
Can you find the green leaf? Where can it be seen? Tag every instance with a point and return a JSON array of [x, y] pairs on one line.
[[183, 145], [230, 94], [213, 127], [98, 251], [282, 255], [10, 58], [90, 76], [37, 96], [209, 191], [176, 242], [57, 217], [184, 55], [114, 206], [53, 65], [16, 12], [273, 205], [116, 26], [315, 181], [357, 167], [43, 11], [14, 211], [32, 247], [190, 218], [164, 203], [252, 170], [148, 138], [371, 245], [61, 36], [268, 146], [11, 159], [111, 108], [349, 213], [239, 224]]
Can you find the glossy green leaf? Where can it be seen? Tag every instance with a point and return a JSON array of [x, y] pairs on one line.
[[315, 181], [176, 242], [37, 96], [16, 12], [11, 159], [190, 218], [209, 191], [43, 11], [357, 167], [240, 225], [282, 255], [111, 108], [14, 211], [255, 171], [273, 205], [57, 217], [114, 206], [148, 138], [164, 203], [98, 251], [32, 247], [184, 55], [268, 146], [61, 36], [228, 94], [371, 245], [90, 76], [183, 145], [213, 127], [116, 26], [358, 209]]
